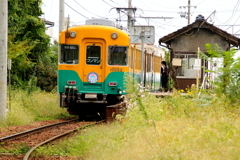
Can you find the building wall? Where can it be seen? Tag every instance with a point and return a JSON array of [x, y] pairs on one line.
[[190, 41], [184, 83], [188, 44]]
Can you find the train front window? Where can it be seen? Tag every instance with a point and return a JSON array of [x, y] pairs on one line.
[[93, 55], [69, 54], [117, 55]]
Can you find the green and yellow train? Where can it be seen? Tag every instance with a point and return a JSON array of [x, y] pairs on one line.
[[92, 61]]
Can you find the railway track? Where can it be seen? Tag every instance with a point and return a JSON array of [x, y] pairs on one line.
[[32, 131], [42, 135], [49, 133], [27, 155], [113, 110]]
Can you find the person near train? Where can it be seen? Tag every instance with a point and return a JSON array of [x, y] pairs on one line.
[[164, 76]]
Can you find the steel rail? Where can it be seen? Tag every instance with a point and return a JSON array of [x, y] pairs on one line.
[[27, 155], [121, 104], [32, 131]]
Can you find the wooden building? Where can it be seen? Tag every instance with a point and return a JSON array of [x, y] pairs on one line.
[[184, 44]]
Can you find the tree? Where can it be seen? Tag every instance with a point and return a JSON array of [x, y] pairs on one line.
[[28, 43], [47, 69]]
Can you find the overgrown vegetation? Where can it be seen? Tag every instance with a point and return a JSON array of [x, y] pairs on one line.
[[26, 108], [15, 149], [173, 127], [227, 83], [33, 61]]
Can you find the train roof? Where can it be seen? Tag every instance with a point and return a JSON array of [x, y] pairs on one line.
[[104, 22], [152, 49], [101, 27]]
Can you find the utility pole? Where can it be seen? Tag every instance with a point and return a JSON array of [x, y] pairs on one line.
[[3, 57], [129, 15], [189, 11], [142, 37], [61, 15], [129, 10]]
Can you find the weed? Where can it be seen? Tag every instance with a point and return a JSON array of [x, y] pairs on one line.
[[176, 127], [16, 149], [36, 106]]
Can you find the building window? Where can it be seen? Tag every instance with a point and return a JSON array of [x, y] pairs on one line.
[[117, 55], [69, 54], [190, 66]]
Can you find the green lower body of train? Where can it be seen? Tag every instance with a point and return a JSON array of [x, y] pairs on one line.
[[85, 92], [81, 95]]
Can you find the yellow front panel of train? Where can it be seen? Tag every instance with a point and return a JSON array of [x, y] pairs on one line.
[[94, 59]]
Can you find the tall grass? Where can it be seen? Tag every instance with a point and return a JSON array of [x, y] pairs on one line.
[[162, 128], [25, 108]]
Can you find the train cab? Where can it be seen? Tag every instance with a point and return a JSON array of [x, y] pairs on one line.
[[92, 61]]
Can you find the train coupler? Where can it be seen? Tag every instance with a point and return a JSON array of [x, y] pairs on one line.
[[79, 97], [104, 97]]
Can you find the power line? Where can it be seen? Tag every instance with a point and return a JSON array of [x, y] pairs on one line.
[[159, 11], [87, 10], [233, 12], [197, 6], [108, 3], [50, 9], [236, 20], [116, 3], [169, 22], [163, 24], [144, 4], [157, 22], [151, 20], [110, 15], [75, 10], [148, 18], [161, 4], [200, 2], [203, 11], [215, 15]]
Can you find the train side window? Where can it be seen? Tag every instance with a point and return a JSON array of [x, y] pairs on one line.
[[93, 55], [117, 56], [69, 54]]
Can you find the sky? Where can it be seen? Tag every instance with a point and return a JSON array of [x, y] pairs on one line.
[[227, 13]]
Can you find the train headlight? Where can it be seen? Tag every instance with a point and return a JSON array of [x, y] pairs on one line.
[[73, 34], [114, 35]]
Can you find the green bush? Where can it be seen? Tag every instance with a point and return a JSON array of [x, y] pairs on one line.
[[227, 83]]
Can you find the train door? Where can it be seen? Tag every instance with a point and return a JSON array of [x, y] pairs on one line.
[[93, 68]]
